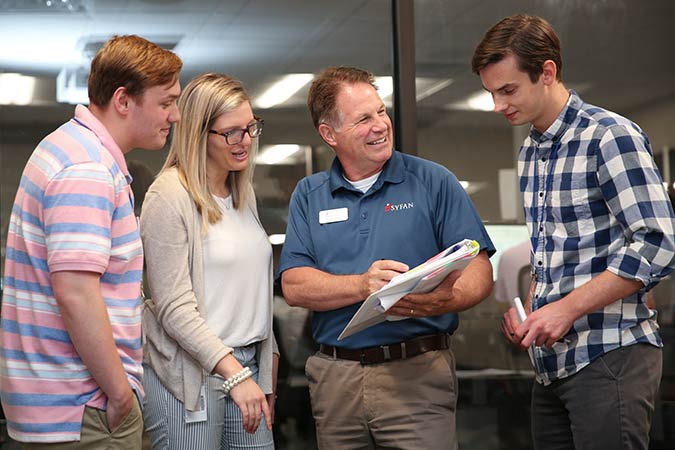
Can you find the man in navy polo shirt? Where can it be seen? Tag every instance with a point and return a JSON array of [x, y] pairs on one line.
[[371, 216]]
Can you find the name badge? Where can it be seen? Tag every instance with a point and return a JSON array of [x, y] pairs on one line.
[[200, 414], [333, 215]]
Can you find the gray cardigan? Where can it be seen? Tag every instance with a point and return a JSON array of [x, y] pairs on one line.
[[178, 344]]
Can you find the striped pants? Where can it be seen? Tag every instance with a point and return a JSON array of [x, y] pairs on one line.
[[164, 417]]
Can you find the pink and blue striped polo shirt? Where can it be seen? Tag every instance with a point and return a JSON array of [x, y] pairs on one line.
[[73, 212]]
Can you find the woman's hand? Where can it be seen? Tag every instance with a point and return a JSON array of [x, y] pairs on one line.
[[252, 403]]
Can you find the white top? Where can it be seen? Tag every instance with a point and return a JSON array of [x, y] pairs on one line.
[[237, 256], [365, 184]]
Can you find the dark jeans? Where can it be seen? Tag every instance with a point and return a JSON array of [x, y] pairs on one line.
[[608, 405]]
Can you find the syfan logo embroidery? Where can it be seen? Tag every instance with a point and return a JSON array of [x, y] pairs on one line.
[[398, 207]]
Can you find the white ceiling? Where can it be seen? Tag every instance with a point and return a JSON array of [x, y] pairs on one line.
[[619, 53]]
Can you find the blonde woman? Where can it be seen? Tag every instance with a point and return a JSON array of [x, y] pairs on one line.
[[210, 354]]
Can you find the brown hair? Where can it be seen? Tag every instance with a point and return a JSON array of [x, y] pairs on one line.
[[131, 62], [530, 39], [324, 90]]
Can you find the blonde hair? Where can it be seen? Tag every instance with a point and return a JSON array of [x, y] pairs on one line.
[[203, 100]]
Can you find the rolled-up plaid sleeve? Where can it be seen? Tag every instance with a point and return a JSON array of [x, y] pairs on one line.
[[636, 197]]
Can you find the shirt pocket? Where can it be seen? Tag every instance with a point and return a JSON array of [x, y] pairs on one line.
[[574, 203]]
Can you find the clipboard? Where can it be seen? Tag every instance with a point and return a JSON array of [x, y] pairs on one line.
[[421, 279]]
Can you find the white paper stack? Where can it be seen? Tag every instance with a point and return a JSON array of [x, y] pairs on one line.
[[418, 280]]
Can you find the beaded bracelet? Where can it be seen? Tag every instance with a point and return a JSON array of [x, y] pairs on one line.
[[235, 379]]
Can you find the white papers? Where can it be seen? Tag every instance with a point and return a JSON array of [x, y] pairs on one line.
[[420, 279]]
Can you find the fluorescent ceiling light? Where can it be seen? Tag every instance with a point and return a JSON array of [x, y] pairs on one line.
[[471, 187], [277, 239], [425, 86], [431, 90], [479, 101], [385, 86], [16, 89], [39, 52], [283, 89], [274, 154]]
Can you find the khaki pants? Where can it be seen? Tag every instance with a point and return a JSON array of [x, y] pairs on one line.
[[95, 434], [403, 404]]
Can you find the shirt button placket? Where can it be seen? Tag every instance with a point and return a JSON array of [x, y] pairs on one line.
[[364, 228]]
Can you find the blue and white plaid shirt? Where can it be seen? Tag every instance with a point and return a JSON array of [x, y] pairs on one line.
[[593, 177]]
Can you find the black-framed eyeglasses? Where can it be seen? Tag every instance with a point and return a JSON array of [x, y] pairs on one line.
[[233, 137]]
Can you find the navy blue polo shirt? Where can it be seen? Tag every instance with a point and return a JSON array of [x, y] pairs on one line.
[[415, 209]]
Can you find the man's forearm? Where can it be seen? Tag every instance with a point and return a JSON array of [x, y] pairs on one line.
[[86, 319], [320, 291], [549, 323], [474, 285], [602, 290]]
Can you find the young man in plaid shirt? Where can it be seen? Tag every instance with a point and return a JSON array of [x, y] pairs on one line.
[[602, 236]]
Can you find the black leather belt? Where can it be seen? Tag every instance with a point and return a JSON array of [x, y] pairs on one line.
[[391, 352]]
